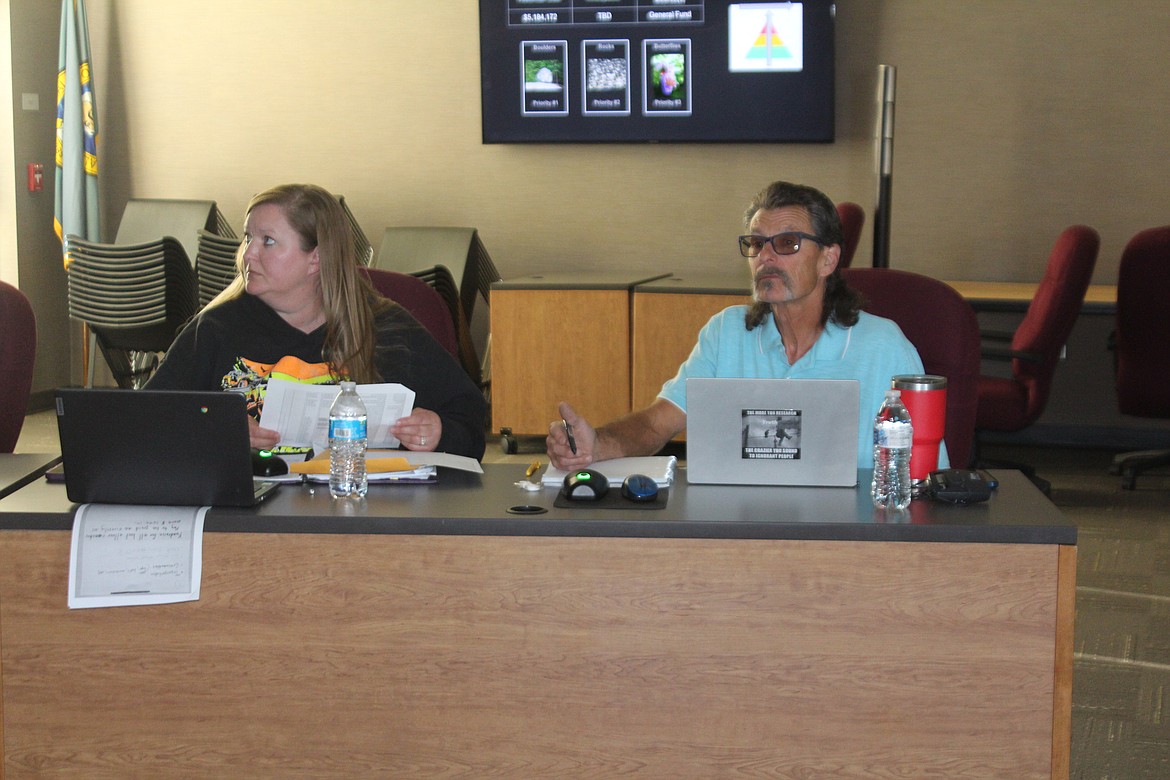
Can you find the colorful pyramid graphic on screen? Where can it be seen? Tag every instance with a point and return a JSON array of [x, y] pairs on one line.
[[768, 45]]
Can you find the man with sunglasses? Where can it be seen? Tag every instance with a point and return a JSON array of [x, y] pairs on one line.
[[804, 323]]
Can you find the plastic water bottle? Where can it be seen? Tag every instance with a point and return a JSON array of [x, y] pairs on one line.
[[893, 435], [347, 444]]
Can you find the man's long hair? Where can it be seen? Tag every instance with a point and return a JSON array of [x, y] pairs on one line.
[[842, 302]]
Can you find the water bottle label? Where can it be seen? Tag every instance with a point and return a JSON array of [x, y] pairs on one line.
[[895, 436], [347, 430]]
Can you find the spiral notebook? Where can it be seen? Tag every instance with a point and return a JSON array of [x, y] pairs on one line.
[[772, 431], [660, 468]]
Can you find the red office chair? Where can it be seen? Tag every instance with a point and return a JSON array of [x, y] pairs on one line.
[[1140, 342], [421, 300], [852, 221], [943, 328], [1013, 403], [18, 349]]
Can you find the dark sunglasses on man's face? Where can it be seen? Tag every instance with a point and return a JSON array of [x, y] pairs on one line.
[[787, 243]]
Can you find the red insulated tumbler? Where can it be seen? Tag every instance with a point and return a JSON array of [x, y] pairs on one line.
[[925, 397]]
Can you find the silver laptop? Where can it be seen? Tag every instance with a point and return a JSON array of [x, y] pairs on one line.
[[157, 447], [772, 431]]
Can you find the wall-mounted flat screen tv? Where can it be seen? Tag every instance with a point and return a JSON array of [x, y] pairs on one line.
[[585, 71]]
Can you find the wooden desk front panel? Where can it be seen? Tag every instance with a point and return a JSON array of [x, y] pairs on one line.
[[448, 656], [559, 345], [665, 328]]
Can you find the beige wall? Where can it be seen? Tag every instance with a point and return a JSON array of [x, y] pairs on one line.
[[1015, 118], [34, 264], [8, 257]]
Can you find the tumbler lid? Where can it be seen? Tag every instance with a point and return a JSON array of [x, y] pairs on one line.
[[919, 382]]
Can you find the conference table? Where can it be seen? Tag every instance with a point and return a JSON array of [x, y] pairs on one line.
[[17, 470], [451, 630], [1015, 296]]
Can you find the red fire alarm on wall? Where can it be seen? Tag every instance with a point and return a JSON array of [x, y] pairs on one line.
[[36, 177]]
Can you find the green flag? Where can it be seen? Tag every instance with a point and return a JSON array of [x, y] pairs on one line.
[[76, 197]]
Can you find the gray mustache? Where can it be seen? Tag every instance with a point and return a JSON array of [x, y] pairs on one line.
[[765, 272]]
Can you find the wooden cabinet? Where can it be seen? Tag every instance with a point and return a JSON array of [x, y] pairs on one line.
[[560, 337], [668, 315], [603, 342]]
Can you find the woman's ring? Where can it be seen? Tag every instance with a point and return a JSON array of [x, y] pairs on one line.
[[422, 441]]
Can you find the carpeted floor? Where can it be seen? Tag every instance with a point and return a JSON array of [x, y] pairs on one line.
[[1121, 677]]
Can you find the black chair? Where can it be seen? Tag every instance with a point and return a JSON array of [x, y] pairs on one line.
[[215, 264]]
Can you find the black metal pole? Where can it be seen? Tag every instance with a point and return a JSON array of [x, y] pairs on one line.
[[881, 217]]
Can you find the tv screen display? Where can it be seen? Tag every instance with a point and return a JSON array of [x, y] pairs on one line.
[[656, 70]]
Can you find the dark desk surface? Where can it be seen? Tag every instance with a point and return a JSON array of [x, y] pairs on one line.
[[473, 504], [17, 470]]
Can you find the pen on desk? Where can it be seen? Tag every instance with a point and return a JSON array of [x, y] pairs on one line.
[[569, 433], [532, 469]]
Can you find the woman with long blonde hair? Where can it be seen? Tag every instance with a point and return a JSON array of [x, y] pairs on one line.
[[301, 309]]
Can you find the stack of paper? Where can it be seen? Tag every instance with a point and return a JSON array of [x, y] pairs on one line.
[[378, 469], [419, 474], [382, 466], [300, 412], [660, 468]]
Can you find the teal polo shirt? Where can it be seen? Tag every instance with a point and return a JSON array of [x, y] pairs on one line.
[[872, 351]]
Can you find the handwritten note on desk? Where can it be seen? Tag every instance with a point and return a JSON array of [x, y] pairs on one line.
[[124, 555]]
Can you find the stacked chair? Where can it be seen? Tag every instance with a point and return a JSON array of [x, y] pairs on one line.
[[215, 264], [129, 343], [134, 298], [421, 300], [145, 219], [454, 261], [440, 279], [365, 250]]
